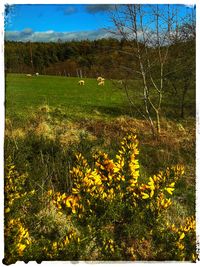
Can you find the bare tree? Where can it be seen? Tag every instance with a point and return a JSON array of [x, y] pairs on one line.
[[148, 28]]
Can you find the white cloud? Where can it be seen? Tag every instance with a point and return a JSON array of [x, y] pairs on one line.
[[52, 36]]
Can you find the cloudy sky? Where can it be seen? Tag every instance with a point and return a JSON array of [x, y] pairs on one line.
[[50, 22]]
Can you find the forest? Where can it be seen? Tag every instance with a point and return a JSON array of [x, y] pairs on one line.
[[63, 58], [104, 56]]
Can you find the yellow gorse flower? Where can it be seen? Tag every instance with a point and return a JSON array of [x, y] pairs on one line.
[[14, 185], [21, 237], [21, 248], [182, 236], [15, 230], [111, 179], [185, 233]]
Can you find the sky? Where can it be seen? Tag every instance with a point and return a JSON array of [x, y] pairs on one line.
[[50, 22]]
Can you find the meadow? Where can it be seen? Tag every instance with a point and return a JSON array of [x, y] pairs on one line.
[[26, 94], [61, 140]]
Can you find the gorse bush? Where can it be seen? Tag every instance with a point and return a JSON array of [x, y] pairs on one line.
[[17, 200], [108, 213]]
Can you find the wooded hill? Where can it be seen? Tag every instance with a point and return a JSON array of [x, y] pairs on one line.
[[90, 57], [108, 57]]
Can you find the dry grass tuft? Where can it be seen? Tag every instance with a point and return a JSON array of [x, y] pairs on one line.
[[43, 129], [49, 221], [45, 109], [69, 137], [19, 133]]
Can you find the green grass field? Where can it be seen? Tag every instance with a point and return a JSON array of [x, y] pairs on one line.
[[26, 94]]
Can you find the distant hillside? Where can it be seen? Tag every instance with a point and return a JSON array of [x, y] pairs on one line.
[[89, 58]]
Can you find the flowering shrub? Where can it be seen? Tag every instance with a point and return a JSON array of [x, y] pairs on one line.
[[110, 198], [111, 180], [108, 213], [17, 238], [13, 185], [183, 239]]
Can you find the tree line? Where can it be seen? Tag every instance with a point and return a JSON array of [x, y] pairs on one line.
[[63, 58]]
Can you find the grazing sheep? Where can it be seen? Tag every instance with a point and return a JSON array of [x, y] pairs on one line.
[[99, 79], [37, 74], [81, 82], [101, 83], [28, 75]]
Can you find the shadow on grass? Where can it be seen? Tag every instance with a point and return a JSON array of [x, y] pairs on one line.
[[113, 111]]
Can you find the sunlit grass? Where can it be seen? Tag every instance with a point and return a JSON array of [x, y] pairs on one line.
[[26, 94]]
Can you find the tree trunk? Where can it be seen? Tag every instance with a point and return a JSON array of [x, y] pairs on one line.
[[158, 122]]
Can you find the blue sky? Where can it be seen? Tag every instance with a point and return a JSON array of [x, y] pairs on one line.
[[50, 22], [58, 18]]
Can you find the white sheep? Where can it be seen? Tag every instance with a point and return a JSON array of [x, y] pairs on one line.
[[101, 83], [28, 75], [99, 79], [81, 82], [37, 74]]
